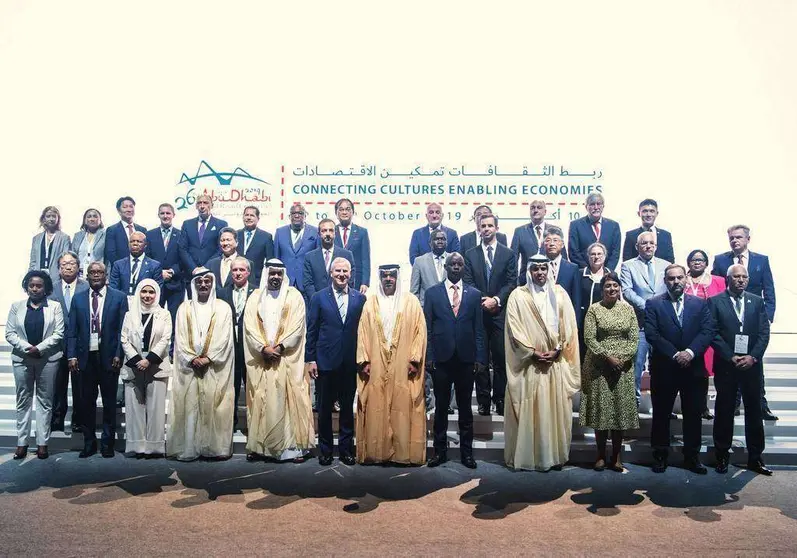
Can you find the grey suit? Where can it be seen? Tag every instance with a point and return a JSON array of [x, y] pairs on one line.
[[424, 275], [97, 251], [61, 243]]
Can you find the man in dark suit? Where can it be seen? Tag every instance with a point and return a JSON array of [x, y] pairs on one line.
[[648, 211], [331, 358], [127, 272], [64, 292], [419, 243], [199, 241], [455, 348], [473, 238], [563, 273], [255, 244], [594, 228], [739, 346], [94, 350], [492, 269], [679, 329], [318, 262], [292, 243], [354, 239], [117, 236], [221, 265], [236, 293], [163, 246], [760, 284], [528, 239]]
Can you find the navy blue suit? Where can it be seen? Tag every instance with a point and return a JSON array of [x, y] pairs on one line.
[[581, 235], [664, 248], [261, 249], [470, 240], [194, 253], [419, 243], [525, 245], [172, 293], [315, 276], [360, 246], [96, 370], [569, 278], [761, 282], [117, 246], [666, 338], [294, 258], [332, 345], [120, 274]]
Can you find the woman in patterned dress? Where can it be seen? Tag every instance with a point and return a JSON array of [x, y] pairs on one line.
[[608, 398]]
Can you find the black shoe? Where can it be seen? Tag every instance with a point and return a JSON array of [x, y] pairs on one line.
[[737, 412], [659, 464], [694, 465], [252, 457], [673, 416], [77, 428], [767, 415], [438, 459], [88, 450], [484, 410], [107, 452], [469, 462], [450, 411], [347, 460], [499, 408], [57, 426], [759, 467], [707, 415], [722, 464], [325, 460]]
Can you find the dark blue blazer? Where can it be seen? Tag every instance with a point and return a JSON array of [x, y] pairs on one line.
[[315, 276], [360, 246], [755, 326], [331, 343], [294, 259], [419, 243], [667, 337], [461, 335], [193, 253], [664, 248], [761, 282], [77, 332], [581, 236], [469, 240], [214, 265], [569, 278], [116, 244], [524, 243], [120, 273], [169, 258], [260, 249]]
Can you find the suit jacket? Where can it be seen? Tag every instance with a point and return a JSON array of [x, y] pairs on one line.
[[225, 294], [666, 337], [97, 251], [168, 257], [78, 331], [52, 344], [761, 282], [581, 235], [360, 246], [502, 280], [294, 259], [419, 243], [120, 273], [260, 250], [79, 286], [331, 343], [315, 276], [524, 244], [461, 335], [214, 265], [470, 240], [159, 342], [569, 278], [664, 248], [636, 284], [117, 246], [61, 243], [424, 275], [755, 326], [194, 253]]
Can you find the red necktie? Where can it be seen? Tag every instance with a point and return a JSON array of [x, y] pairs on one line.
[[455, 304], [596, 226], [345, 236]]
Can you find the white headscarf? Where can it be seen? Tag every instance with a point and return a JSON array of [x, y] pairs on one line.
[[272, 302], [202, 312], [389, 306], [138, 309], [547, 306]]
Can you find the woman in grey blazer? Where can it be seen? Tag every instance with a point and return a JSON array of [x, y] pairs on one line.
[[35, 331], [89, 242], [48, 245]]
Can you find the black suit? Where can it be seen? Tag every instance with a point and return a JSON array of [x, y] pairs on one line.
[[664, 248], [261, 249], [728, 379], [525, 245], [239, 378], [502, 280], [470, 240]]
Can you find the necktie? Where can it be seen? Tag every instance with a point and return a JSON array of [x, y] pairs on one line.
[[202, 225], [239, 303], [538, 230], [455, 299], [596, 226], [345, 236], [166, 237], [679, 311], [225, 270], [95, 313], [489, 262], [741, 259], [326, 261], [68, 296], [341, 305], [130, 229], [439, 266], [651, 274], [133, 276], [247, 241], [297, 244], [554, 271]]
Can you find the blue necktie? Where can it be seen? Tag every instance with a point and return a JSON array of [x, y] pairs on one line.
[[651, 275], [489, 262]]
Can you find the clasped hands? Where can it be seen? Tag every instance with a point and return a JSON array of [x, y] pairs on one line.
[[271, 353], [683, 358], [489, 304], [546, 356], [743, 362]]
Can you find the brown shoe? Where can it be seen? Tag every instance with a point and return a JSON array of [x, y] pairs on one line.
[[42, 453], [600, 465], [617, 466], [21, 453]]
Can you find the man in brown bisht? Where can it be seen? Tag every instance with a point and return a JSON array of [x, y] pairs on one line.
[[391, 348]]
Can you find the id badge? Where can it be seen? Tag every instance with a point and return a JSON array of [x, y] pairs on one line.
[[94, 339], [740, 344]]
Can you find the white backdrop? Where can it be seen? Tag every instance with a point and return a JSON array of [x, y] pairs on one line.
[[692, 105]]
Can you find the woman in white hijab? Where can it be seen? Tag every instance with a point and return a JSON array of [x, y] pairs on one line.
[[146, 336]]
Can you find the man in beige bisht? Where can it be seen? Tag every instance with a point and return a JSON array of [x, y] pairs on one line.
[[278, 405], [202, 403], [543, 372], [391, 348]]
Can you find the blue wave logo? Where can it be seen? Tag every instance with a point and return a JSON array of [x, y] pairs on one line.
[[223, 178]]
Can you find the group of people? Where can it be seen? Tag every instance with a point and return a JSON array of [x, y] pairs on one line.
[[530, 324]]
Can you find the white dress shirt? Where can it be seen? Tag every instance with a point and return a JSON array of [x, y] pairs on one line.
[[450, 291]]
